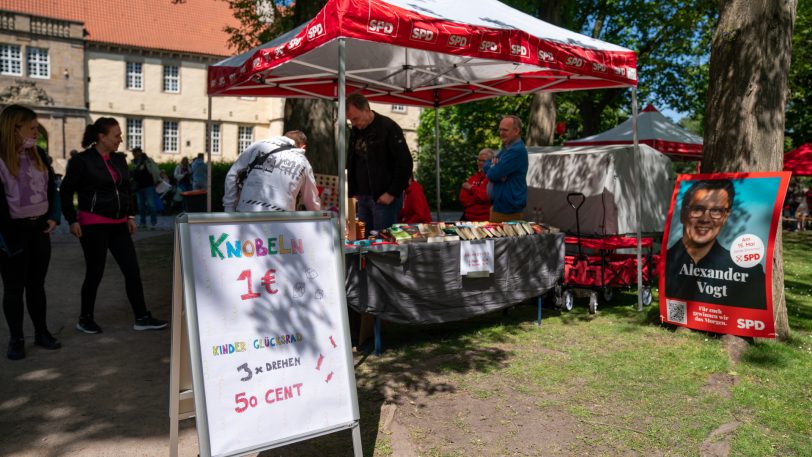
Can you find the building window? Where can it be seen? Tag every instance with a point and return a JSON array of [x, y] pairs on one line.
[[245, 137], [214, 140], [38, 63], [135, 77], [170, 145], [135, 133], [171, 79], [11, 62], [398, 108]]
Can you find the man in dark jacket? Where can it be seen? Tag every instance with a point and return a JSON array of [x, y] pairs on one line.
[[145, 174], [379, 164]]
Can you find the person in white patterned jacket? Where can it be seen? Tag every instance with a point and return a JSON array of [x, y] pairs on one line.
[[270, 174]]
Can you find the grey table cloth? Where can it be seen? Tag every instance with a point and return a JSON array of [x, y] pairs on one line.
[[424, 286]]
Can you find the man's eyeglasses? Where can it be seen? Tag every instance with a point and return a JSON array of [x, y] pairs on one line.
[[716, 212]]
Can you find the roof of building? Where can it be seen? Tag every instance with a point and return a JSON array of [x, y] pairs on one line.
[[194, 26]]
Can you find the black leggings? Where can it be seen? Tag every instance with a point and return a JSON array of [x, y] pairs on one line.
[[24, 275], [96, 240]]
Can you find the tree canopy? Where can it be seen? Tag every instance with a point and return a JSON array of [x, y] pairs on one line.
[[672, 39], [799, 106]]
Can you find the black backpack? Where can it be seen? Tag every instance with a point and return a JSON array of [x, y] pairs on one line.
[[243, 174]]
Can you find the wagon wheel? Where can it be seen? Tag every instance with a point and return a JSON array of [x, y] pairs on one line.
[[608, 293], [567, 301], [593, 302], [646, 293]]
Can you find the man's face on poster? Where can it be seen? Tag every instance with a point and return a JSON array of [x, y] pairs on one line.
[[707, 213]]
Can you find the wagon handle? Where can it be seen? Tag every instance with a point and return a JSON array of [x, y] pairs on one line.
[[570, 200], [571, 197]]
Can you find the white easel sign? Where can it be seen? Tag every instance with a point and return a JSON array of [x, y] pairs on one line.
[[266, 310], [476, 258]]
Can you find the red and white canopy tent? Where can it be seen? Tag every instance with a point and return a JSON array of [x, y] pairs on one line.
[[429, 53], [653, 129], [799, 160]]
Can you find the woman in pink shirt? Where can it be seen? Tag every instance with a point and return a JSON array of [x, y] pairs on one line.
[[104, 221], [28, 215]]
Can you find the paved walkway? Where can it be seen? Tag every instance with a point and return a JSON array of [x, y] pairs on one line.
[[165, 224], [106, 394]]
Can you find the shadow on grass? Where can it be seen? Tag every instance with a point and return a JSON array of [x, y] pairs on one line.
[[411, 369]]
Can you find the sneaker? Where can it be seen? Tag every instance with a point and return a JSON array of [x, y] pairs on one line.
[[16, 349], [47, 341], [147, 322], [87, 325]]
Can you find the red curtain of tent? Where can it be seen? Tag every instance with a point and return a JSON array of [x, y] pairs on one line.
[[799, 160]]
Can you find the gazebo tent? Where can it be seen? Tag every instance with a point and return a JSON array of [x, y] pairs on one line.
[[429, 53], [653, 129], [799, 160], [605, 175], [425, 53]]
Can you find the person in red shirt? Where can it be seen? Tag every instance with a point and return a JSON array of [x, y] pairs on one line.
[[415, 207], [474, 191]]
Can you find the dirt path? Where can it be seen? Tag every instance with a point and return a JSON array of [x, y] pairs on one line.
[[107, 394], [100, 394]]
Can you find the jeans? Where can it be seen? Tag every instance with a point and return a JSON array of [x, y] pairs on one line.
[[24, 276], [377, 216], [146, 202], [96, 240]]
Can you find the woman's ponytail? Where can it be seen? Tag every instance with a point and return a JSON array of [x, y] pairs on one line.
[[100, 127], [90, 136]]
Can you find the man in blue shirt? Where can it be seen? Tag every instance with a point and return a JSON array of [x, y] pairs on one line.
[[507, 173]]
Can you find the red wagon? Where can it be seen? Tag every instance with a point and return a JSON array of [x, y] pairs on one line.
[[595, 264]]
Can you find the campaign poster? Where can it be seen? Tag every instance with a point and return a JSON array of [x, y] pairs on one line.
[[716, 271]]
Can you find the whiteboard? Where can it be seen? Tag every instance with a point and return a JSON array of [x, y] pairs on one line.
[[268, 329]]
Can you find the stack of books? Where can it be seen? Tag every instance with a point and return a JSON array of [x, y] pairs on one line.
[[439, 231]]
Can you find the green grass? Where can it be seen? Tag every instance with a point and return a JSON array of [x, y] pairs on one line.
[[643, 388]]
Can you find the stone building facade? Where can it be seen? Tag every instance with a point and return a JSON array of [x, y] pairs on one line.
[[42, 67], [147, 69]]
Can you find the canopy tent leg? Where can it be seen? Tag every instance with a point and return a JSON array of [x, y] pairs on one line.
[[341, 148], [638, 183], [437, 155], [208, 159], [540, 300]]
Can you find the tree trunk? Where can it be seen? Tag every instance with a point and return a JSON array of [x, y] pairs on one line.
[[317, 119], [747, 95], [590, 115], [541, 121]]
